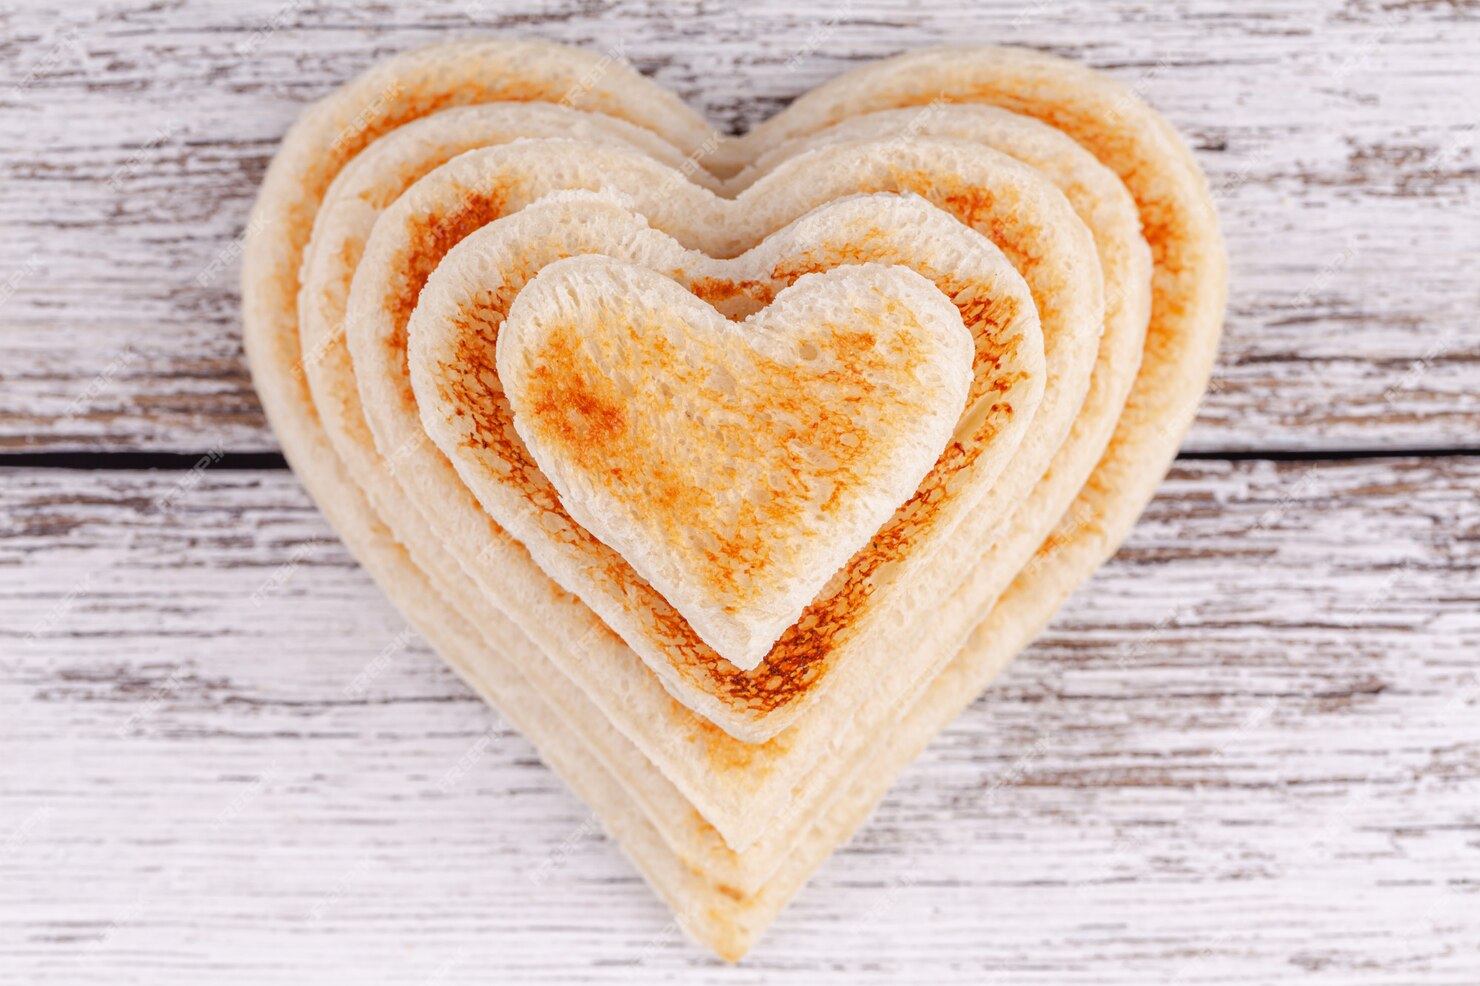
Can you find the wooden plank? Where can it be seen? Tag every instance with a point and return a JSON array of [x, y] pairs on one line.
[[1340, 136], [1248, 751]]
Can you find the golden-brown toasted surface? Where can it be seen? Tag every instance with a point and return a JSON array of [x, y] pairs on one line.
[[735, 467]]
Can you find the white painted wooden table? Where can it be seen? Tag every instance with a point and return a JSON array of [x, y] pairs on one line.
[[1248, 751]]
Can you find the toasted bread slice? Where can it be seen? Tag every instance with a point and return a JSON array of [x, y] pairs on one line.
[[736, 466]]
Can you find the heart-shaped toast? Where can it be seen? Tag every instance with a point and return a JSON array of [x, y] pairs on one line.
[[736, 466], [999, 144]]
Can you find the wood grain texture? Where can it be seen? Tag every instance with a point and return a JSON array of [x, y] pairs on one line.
[[1248, 752], [1340, 137]]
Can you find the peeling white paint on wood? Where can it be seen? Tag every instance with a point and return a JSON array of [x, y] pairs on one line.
[[1340, 136], [1248, 751]]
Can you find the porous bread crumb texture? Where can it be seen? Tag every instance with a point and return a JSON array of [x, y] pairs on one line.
[[433, 235], [1165, 221], [469, 381], [422, 89]]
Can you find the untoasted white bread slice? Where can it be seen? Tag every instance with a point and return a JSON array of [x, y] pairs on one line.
[[736, 466]]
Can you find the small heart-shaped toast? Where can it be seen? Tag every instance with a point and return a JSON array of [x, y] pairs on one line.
[[737, 466]]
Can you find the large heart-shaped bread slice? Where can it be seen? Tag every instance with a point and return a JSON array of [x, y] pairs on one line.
[[735, 466], [692, 870]]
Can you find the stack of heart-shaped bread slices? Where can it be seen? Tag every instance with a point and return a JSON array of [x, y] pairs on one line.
[[730, 469]]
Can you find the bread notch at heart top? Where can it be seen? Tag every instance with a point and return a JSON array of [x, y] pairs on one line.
[[736, 466]]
